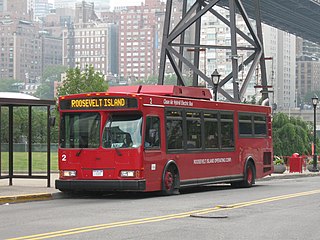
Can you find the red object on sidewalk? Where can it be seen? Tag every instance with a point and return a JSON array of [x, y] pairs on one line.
[[295, 163]]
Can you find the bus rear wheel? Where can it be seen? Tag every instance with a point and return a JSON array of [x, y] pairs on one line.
[[170, 181], [250, 176]]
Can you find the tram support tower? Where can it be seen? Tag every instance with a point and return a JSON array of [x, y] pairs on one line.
[[175, 45]]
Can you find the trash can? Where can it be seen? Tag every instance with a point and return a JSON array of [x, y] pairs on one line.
[[295, 163]]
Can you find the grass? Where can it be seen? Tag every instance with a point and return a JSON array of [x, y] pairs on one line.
[[20, 162]]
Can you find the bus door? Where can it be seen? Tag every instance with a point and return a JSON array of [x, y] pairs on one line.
[[152, 151]]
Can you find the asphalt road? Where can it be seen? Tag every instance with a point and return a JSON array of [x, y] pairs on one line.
[[276, 209]]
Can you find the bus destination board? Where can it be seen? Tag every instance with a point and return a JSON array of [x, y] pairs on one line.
[[98, 103]]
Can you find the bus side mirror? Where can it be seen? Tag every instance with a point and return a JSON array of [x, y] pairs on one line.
[[52, 121]]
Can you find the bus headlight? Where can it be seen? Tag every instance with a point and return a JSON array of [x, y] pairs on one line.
[[69, 173], [127, 174]]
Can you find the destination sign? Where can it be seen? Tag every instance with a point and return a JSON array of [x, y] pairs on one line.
[[98, 103]]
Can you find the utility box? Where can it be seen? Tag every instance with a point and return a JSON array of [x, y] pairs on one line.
[[295, 163]]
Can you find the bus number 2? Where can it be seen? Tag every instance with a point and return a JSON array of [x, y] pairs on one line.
[[150, 100], [63, 157]]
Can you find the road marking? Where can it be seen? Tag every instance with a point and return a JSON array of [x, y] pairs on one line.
[[164, 217]]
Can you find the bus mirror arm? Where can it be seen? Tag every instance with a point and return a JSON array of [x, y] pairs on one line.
[[52, 121]]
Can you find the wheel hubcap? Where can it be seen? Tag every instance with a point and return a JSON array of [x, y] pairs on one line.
[[249, 175], [168, 180]]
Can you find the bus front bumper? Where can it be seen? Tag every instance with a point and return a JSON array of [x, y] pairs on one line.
[[101, 185]]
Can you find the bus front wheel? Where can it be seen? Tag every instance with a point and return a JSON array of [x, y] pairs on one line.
[[170, 181]]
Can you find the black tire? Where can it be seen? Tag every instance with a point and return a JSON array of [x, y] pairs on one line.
[[250, 177], [170, 181]]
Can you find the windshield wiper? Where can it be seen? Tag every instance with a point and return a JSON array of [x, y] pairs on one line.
[[110, 135], [118, 151], [78, 153]]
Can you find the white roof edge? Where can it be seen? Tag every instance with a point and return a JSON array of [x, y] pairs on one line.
[[16, 95]]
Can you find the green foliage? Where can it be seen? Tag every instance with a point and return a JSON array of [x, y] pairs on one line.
[[21, 125], [8, 85], [82, 81], [45, 91], [291, 135], [53, 73], [278, 161]]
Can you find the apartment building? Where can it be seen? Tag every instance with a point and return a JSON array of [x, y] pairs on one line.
[[87, 41], [16, 9], [99, 5], [138, 38], [41, 9], [307, 69], [280, 47], [21, 46]]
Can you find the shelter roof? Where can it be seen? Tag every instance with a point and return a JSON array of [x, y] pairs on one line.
[[22, 99]]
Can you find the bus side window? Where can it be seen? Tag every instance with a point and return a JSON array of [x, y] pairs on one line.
[[152, 136]]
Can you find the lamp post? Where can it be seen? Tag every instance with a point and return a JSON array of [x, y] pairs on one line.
[[315, 158], [215, 78]]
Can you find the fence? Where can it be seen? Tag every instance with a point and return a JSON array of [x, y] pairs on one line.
[[23, 147]]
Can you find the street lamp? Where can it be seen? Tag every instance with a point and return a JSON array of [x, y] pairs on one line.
[[215, 78], [315, 159]]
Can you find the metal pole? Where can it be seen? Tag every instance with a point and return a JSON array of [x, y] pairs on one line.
[[166, 30], [315, 159], [48, 148], [10, 144], [215, 92]]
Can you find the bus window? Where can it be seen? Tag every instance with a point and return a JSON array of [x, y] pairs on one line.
[[174, 134], [122, 131], [174, 129], [211, 130], [252, 125], [152, 138], [80, 130], [245, 124], [193, 130], [227, 136], [260, 125]]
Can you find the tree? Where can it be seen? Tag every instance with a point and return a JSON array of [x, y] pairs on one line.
[[53, 73], [81, 81], [291, 135], [9, 85], [45, 90], [50, 75]]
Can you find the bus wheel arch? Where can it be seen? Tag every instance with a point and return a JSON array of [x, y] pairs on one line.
[[170, 178], [249, 172], [249, 175]]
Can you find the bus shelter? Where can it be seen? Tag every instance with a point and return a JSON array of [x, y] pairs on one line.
[[16, 100]]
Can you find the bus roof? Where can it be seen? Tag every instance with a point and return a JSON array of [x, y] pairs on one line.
[[165, 90]]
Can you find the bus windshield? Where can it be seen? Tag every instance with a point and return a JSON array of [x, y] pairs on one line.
[[122, 131], [80, 130]]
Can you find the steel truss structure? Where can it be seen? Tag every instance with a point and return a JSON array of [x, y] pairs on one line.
[[174, 46]]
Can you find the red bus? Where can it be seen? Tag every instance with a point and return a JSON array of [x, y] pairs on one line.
[[160, 138]]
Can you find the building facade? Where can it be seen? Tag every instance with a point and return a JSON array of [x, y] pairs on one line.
[[21, 55], [307, 70], [280, 49], [138, 38], [41, 9]]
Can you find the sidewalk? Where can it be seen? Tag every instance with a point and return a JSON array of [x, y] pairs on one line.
[[24, 190], [27, 189]]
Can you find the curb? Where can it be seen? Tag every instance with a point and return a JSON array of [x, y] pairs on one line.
[[26, 198], [288, 176]]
